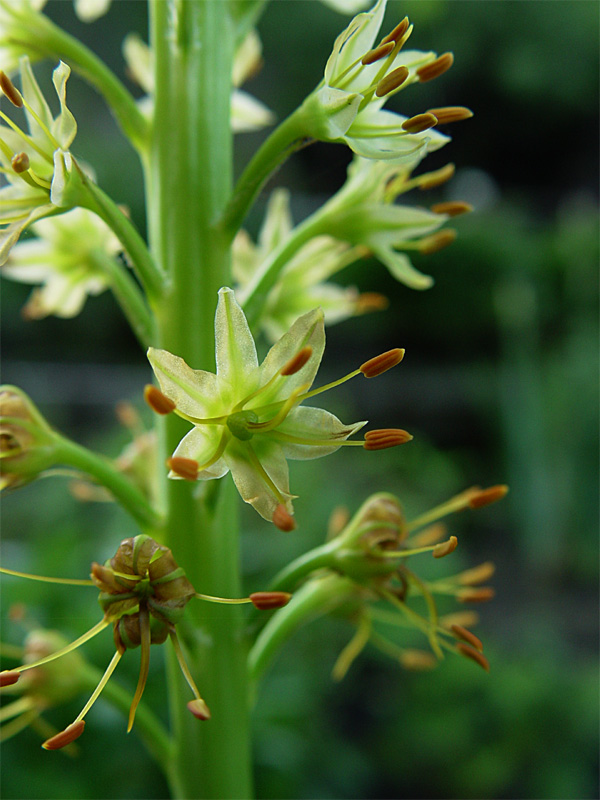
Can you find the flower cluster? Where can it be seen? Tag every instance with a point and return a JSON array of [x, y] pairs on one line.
[[143, 594], [248, 419]]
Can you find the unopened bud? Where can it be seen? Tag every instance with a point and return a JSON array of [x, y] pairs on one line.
[[8, 677], [199, 708], [398, 32], [467, 636], [383, 438], [378, 53], [381, 363], [158, 401], [445, 548], [437, 241], [452, 209], [451, 114], [265, 601], [65, 737], [487, 496], [10, 90], [419, 123], [283, 520], [185, 468], [20, 162], [470, 652], [435, 68], [296, 363], [391, 82]]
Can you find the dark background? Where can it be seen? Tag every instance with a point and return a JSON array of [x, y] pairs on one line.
[[499, 384]]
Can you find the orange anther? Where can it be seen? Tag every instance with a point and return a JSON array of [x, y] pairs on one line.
[[398, 32], [445, 548], [467, 636], [265, 601], [385, 437], [283, 520], [392, 81], [158, 401], [8, 677], [481, 595], [470, 652], [199, 708], [419, 123], [487, 496], [65, 737], [437, 241], [452, 209], [377, 53], [435, 68], [449, 114], [20, 162], [10, 90], [185, 468], [381, 363]]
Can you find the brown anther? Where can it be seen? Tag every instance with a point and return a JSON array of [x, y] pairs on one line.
[[392, 81], [20, 162], [158, 401], [445, 548], [432, 534], [296, 363], [10, 90], [435, 68], [283, 520], [377, 53], [453, 208], [487, 496], [467, 636], [419, 123], [449, 114], [437, 241], [462, 618], [470, 652], [481, 595], [8, 677], [417, 660], [397, 33], [65, 737], [385, 437], [185, 468], [265, 601], [199, 708], [371, 301], [436, 178], [381, 363], [476, 575]]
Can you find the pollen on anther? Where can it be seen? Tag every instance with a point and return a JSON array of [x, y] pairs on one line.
[[158, 401], [466, 635], [470, 652], [10, 90], [381, 363], [391, 82], [445, 548], [20, 163], [448, 114], [266, 601], [199, 708], [452, 208], [65, 737], [283, 520], [436, 68], [8, 677], [384, 438], [487, 496], [377, 53], [296, 363], [419, 123], [397, 33], [185, 468]]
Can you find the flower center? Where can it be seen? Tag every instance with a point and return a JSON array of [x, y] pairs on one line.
[[239, 424]]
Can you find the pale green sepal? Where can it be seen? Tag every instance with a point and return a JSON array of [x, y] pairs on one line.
[[194, 392], [250, 481], [64, 126], [33, 94], [327, 113], [10, 236], [314, 424], [355, 41], [401, 268], [278, 224], [200, 444], [91, 10], [235, 351]]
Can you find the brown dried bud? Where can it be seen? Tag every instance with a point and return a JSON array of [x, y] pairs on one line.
[[158, 401], [65, 737], [265, 601], [381, 363]]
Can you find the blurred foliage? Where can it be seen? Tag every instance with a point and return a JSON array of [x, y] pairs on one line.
[[499, 384]]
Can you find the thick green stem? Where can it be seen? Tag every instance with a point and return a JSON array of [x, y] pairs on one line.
[[189, 183]]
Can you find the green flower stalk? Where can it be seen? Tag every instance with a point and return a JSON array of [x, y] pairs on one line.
[[248, 419]]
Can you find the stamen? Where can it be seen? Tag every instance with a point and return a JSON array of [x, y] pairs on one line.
[[397, 33], [294, 399], [186, 468], [445, 548], [385, 437], [481, 595], [431, 535], [371, 301], [10, 90], [65, 737], [296, 363], [381, 363], [449, 114], [436, 178], [452, 209], [20, 162], [479, 574], [437, 241], [378, 53], [8, 677], [474, 655], [265, 601], [43, 579], [417, 660], [102, 683], [435, 68], [144, 620], [487, 496], [467, 636], [462, 618], [419, 123], [158, 401], [283, 520], [199, 708], [392, 81], [353, 649]]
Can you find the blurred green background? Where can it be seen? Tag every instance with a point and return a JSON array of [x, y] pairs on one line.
[[499, 384]]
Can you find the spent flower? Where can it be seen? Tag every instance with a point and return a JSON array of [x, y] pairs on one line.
[[247, 418], [143, 594]]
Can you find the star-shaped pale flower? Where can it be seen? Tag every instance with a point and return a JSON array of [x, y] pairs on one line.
[[247, 417]]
